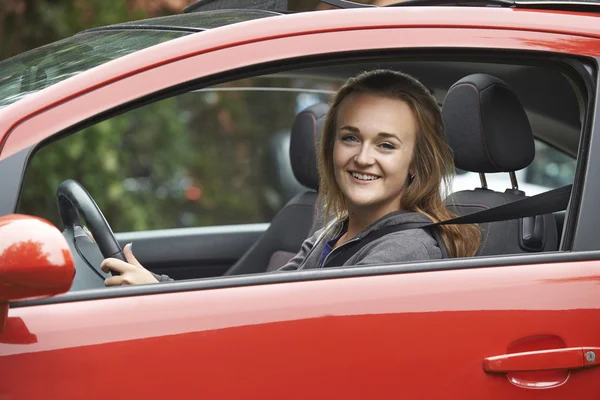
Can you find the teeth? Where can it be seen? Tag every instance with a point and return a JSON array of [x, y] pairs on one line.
[[363, 177]]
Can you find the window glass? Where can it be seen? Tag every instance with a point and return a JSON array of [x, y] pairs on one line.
[[209, 157], [40, 68], [550, 169]]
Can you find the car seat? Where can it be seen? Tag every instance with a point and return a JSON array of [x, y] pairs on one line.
[[488, 131], [296, 220]]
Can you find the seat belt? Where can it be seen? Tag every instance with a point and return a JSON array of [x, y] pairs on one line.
[[544, 203], [540, 204]]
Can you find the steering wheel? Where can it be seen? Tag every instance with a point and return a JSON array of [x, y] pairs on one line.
[[75, 202]]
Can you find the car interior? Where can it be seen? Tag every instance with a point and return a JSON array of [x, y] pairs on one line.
[[493, 109]]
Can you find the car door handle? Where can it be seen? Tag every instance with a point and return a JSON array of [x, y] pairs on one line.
[[569, 358]]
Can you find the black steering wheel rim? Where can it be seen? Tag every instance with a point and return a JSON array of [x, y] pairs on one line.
[[75, 202]]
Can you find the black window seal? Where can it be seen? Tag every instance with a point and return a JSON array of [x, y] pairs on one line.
[[587, 85], [580, 239], [579, 6]]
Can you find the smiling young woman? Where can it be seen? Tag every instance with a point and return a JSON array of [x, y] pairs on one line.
[[382, 160], [372, 156]]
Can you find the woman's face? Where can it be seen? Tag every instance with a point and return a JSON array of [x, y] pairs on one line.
[[372, 153]]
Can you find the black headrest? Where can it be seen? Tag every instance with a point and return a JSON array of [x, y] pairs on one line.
[[306, 133], [486, 126]]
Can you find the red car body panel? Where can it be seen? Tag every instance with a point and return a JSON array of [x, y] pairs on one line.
[[350, 338], [340, 338]]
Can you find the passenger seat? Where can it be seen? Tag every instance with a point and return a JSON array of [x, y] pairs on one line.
[[488, 131]]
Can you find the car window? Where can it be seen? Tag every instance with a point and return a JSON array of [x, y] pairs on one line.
[[215, 156], [37, 69], [551, 168]]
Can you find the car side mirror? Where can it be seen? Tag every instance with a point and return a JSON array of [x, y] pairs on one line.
[[35, 261]]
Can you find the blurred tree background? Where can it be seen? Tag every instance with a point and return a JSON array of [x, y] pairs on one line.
[[192, 160]]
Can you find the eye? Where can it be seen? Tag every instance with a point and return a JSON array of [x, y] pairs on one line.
[[387, 146], [349, 138]]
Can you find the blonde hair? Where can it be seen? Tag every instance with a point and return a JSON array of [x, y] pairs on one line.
[[432, 163]]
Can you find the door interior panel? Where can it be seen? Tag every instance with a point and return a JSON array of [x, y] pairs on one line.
[[190, 253]]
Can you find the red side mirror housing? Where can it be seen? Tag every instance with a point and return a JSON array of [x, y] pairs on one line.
[[35, 260]]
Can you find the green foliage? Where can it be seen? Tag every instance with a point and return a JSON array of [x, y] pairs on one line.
[[99, 158], [33, 23], [195, 159]]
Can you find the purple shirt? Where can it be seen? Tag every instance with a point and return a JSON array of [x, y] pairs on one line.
[[329, 248]]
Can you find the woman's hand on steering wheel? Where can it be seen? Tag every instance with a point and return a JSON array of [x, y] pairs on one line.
[[131, 272]]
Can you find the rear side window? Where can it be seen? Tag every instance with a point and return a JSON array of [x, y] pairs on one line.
[[215, 156], [551, 168]]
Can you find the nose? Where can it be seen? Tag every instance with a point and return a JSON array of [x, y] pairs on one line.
[[364, 156]]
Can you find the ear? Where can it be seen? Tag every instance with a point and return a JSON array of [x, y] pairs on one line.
[[412, 168]]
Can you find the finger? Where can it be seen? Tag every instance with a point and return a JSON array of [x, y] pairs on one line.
[[116, 280], [115, 265], [87, 231], [129, 256]]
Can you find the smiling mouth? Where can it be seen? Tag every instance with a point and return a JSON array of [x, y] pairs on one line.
[[363, 177]]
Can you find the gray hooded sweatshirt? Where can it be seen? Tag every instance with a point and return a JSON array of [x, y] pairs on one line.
[[402, 246]]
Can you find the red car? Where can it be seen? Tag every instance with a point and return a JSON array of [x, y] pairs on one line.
[[179, 128]]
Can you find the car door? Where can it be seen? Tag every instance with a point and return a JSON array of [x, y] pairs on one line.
[[479, 328], [360, 335]]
